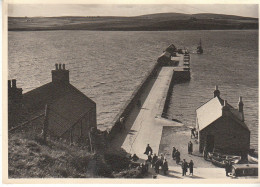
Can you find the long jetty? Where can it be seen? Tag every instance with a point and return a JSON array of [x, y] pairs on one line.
[[143, 124]]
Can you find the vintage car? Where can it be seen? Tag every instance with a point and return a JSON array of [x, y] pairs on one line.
[[244, 170]]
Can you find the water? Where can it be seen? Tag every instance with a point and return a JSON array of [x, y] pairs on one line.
[[108, 65]]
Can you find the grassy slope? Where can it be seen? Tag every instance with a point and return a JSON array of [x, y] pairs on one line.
[[28, 157], [163, 21]]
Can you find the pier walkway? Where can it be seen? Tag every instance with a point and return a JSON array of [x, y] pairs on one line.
[[147, 126]]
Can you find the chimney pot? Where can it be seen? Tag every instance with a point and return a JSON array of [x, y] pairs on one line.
[[56, 66], [14, 83], [59, 66], [225, 107], [216, 92], [63, 66], [9, 84]]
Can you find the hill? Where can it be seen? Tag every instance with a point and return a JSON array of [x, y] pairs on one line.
[[162, 21]]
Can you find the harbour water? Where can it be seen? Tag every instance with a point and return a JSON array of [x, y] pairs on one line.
[[108, 65]]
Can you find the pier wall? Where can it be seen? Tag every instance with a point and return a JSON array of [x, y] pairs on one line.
[[180, 75], [132, 101], [177, 77]]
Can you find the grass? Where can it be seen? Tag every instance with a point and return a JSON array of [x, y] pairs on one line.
[[29, 157]]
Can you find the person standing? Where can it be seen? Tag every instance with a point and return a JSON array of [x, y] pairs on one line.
[[155, 158], [178, 156], [228, 168], [148, 150], [193, 133], [165, 167], [150, 157], [157, 166], [191, 164], [184, 167], [173, 152], [190, 147]]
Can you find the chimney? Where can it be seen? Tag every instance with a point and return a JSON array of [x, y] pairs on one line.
[[225, 107], [240, 104], [9, 84], [15, 94], [216, 92], [240, 107], [60, 74], [13, 83]]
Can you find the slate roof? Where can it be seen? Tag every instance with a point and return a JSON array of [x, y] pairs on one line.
[[212, 110], [66, 103]]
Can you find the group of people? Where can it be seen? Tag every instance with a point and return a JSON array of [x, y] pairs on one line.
[[155, 161], [159, 161], [185, 165], [176, 155]]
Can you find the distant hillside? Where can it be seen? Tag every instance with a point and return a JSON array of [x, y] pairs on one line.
[[162, 21]]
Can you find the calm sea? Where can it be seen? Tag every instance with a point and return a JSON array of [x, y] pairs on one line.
[[107, 66]]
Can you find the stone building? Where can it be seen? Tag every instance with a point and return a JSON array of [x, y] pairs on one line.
[[221, 128], [70, 114]]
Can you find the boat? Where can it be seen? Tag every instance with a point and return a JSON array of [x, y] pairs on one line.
[[199, 48], [220, 160], [253, 159]]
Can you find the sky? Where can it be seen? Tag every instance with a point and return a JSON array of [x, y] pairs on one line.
[[47, 10]]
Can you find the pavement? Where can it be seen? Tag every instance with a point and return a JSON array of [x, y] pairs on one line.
[[147, 129], [198, 173]]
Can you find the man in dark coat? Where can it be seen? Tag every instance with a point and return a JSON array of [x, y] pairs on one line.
[[155, 158], [165, 167], [173, 152], [184, 167], [193, 132], [177, 156], [148, 150], [191, 164], [157, 166], [228, 168], [190, 147]]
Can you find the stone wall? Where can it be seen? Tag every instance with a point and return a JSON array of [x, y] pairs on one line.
[[132, 101]]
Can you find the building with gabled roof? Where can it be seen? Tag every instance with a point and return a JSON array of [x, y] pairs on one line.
[[221, 127], [71, 114]]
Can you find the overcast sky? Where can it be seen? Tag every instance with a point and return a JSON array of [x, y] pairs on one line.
[[32, 10]]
